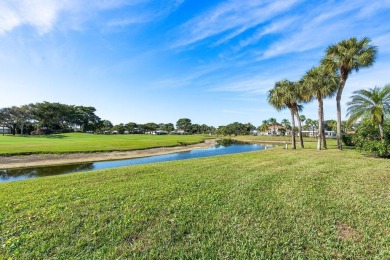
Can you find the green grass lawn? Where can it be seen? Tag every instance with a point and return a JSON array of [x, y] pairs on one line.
[[80, 142], [266, 204]]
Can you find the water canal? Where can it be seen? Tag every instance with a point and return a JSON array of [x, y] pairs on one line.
[[7, 175]]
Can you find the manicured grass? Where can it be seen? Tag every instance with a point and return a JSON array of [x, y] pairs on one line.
[[267, 204], [80, 142]]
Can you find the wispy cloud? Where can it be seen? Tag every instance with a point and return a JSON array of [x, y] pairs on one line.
[[325, 24], [43, 15], [233, 17], [146, 11]]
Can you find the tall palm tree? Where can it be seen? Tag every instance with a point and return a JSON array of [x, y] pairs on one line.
[[284, 95], [319, 83], [373, 103], [345, 57]]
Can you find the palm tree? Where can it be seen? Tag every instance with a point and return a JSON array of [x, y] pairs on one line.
[[345, 57], [311, 124], [272, 123], [284, 95], [373, 103], [285, 123], [319, 83], [264, 126]]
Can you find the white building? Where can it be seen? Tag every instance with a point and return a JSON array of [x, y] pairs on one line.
[[5, 130]]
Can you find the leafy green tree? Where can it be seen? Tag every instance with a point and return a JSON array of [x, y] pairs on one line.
[[120, 128], [184, 124], [373, 103], [345, 57], [9, 118], [131, 127], [150, 127], [85, 118], [195, 129], [107, 125], [285, 95], [319, 83], [168, 127]]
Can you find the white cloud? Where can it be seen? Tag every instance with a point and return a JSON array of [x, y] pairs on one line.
[[326, 24], [234, 15], [40, 14], [43, 15]]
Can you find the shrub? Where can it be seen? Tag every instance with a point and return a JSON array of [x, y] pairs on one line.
[[378, 148], [348, 139], [367, 139]]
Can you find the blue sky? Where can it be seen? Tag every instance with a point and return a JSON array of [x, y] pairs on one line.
[[158, 61]]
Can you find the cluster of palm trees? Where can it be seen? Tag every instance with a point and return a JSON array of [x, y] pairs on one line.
[[325, 80]]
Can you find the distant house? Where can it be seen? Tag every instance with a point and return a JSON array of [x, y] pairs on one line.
[[160, 132], [180, 132], [5, 130], [274, 130], [314, 133]]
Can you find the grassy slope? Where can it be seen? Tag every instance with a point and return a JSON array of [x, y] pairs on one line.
[[274, 203], [79, 142]]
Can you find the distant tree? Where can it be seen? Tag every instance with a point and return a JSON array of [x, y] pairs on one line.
[[286, 124], [311, 125], [10, 118], [131, 127], [107, 125], [373, 104], [264, 126], [120, 128], [347, 56], [150, 127], [184, 124], [168, 127], [195, 129], [85, 118]]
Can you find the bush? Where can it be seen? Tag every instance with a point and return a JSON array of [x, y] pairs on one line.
[[348, 139], [378, 148], [367, 139]]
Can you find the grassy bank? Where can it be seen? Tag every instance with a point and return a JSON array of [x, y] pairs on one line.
[[80, 142], [266, 204]]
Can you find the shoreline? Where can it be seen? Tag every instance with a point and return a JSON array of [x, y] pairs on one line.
[[21, 161], [38, 160]]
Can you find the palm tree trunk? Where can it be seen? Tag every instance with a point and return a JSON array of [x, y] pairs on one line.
[[320, 112], [323, 126], [324, 145], [381, 132], [293, 142], [343, 79], [299, 129]]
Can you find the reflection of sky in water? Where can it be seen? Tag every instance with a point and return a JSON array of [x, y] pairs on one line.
[[34, 172]]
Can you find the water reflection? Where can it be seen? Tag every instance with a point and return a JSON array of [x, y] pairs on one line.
[[27, 173], [34, 172]]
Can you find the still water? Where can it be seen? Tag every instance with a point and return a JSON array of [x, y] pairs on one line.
[[7, 175]]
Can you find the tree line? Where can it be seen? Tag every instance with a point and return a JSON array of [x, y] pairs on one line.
[[46, 118]]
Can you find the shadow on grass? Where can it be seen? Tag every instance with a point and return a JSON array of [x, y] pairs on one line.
[[56, 136]]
